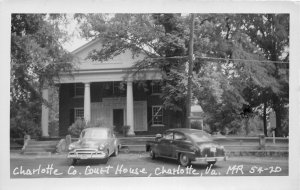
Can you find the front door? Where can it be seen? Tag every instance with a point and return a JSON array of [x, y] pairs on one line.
[[118, 119]]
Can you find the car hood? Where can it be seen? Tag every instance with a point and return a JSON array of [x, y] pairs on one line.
[[89, 143], [208, 144]]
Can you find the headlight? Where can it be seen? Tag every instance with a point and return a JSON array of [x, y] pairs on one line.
[[71, 147], [194, 148], [101, 147]]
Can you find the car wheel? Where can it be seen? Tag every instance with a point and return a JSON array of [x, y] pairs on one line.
[[212, 163], [106, 159], [184, 160], [152, 154], [116, 151]]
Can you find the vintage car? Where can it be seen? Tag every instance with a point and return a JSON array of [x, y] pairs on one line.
[[94, 143], [186, 146]]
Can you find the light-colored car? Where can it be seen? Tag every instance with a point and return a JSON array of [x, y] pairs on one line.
[[94, 143]]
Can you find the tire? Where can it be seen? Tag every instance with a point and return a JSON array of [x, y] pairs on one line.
[[152, 154], [105, 160], [74, 162], [211, 163], [184, 160], [116, 151]]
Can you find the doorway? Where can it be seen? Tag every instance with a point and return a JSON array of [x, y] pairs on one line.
[[118, 120]]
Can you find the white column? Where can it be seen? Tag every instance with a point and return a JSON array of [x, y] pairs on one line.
[[45, 113], [87, 102], [129, 107]]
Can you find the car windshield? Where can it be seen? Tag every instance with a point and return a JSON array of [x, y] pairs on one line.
[[200, 137], [95, 134]]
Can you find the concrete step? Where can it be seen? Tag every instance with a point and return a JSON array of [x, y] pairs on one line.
[[37, 153], [35, 147], [40, 149], [41, 145], [34, 142], [16, 147]]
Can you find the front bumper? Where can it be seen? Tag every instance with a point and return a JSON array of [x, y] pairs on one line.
[[210, 159], [82, 155]]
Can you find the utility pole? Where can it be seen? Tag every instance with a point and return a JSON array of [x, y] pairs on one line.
[[190, 72]]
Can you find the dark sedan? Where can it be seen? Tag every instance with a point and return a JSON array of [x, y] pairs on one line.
[[186, 145]]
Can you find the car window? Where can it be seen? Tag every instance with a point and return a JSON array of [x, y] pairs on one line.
[[168, 135], [200, 137], [95, 134], [179, 136]]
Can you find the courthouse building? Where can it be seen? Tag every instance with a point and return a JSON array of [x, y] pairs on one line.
[[111, 91]]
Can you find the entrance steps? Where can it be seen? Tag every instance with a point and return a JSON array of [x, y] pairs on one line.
[[35, 147]]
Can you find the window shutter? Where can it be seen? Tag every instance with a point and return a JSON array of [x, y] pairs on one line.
[[149, 113], [72, 90], [71, 116]]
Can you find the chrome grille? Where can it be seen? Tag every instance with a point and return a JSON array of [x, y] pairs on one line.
[[209, 153], [85, 151]]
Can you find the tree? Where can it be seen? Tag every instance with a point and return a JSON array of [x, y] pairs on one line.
[[224, 69], [270, 33], [37, 57], [235, 71]]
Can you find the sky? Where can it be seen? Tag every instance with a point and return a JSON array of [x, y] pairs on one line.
[[76, 40]]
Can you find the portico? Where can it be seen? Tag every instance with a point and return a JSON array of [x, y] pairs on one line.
[[92, 111], [89, 92]]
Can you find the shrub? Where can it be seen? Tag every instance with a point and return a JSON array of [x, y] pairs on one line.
[[76, 128], [53, 128], [125, 129], [19, 128]]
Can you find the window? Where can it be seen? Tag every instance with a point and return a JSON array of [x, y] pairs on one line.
[[168, 135], [157, 115], [79, 113], [179, 136], [79, 89], [156, 88]]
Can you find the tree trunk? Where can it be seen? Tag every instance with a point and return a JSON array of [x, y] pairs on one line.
[[278, 130], [184, 117], [265, 119]]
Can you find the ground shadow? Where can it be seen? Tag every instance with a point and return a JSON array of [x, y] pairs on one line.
[[88, 162], [174, 162]]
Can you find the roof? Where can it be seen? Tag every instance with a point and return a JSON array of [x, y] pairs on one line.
[[196, 108], [81, 48]]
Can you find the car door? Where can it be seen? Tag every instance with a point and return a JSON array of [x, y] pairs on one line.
[[180, 143], [164, 146], [110, 140]]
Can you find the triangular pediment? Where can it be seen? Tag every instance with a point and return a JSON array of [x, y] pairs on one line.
[[123, 60]]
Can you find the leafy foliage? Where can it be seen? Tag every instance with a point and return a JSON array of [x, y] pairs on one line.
[[37, 57], [270, 33], [231, 71]]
